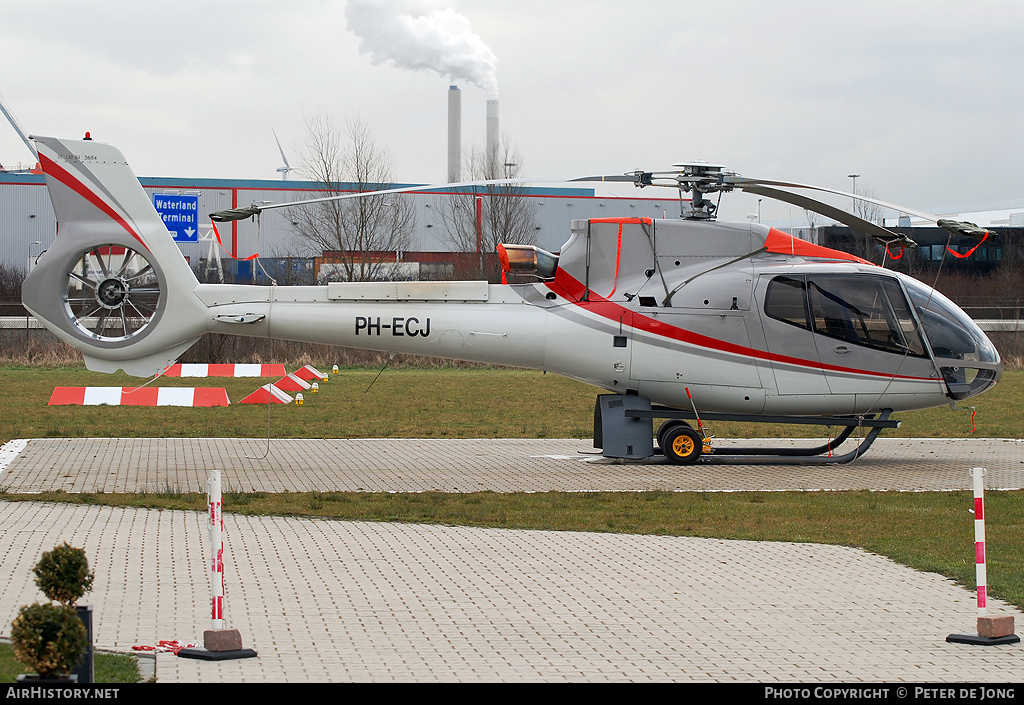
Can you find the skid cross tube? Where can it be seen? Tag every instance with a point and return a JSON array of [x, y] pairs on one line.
[[817, 450]]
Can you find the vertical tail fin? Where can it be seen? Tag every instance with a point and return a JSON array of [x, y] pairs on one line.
[[114, 284]]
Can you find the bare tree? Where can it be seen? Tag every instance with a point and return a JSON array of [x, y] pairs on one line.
[[363, 237], [478, 220], [862, 244], [871, 212], [11, 278]]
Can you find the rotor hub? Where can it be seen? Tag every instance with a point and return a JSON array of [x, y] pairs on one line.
[[699, 178], [112, 293]]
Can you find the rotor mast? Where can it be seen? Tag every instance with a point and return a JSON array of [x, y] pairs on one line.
[[699, 178]]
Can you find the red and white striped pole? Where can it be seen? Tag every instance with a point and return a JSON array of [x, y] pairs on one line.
[[979, 539], [991, 630], [216, 549]]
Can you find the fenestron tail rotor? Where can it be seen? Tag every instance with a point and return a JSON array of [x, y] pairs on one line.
[[112, 293]]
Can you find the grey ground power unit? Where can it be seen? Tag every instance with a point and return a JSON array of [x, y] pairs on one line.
[[617, 433]]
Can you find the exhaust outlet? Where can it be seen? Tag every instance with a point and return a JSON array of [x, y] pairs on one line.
[[527, 259]]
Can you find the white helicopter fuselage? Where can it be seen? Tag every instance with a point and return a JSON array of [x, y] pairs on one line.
[[724, 317], [730, 361]]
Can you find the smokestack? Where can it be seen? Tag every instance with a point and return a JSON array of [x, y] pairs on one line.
[[492, 138], [454, 135]]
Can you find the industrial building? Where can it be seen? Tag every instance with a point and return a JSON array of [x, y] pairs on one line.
[[28, 225]]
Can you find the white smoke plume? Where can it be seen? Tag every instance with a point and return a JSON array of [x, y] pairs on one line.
[[423, 35]]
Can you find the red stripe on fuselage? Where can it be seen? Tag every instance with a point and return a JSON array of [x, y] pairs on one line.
[[51, 168], [569, 288]]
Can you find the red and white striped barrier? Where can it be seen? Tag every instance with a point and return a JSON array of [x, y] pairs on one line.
[[139, 396], [225, 370], [311, 374], [979, 540], [267, 394], [292, 383]]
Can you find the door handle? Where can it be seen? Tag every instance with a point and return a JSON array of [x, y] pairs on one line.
[[841, 350]]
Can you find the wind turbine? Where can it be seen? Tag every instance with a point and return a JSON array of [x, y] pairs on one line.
[[286, 168]]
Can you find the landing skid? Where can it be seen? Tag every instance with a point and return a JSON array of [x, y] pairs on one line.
[[819, 455], [623, 429]]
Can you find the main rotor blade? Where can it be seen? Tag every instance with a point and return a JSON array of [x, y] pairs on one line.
[[226, 216], [960, 227], [25, 137], [866, 226], [255, 209], [641, 178], [763, 187], [968, 229]]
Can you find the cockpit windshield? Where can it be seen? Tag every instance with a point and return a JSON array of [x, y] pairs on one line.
[[966, 357], [951, 332]]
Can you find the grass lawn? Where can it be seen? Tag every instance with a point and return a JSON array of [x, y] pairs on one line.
[[413, 403], [107, 668]]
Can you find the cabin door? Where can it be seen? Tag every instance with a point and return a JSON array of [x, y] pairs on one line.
[[789, 337], [866, 336]]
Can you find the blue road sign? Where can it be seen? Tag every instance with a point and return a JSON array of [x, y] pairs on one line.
[[180, 215]]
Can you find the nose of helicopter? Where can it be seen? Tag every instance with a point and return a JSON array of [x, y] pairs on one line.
[[967, 359], [967, 382]]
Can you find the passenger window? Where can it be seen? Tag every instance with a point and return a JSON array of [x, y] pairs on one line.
[[857, 309], [785, 301]]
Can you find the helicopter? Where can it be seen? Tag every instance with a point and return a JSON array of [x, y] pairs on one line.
[[685, 320]]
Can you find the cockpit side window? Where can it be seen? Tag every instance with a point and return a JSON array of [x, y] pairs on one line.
[[863, 310], [905, 319], [786, 301]]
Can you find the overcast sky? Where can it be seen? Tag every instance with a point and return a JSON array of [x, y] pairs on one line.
[[921, 98]]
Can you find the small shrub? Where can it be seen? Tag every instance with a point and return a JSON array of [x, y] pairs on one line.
[[63, 574], [49, 639]]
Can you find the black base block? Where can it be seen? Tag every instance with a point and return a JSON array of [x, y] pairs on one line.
[[204, 655], [982, 640]]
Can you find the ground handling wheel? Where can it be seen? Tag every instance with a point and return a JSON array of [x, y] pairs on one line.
[[668, 426], [680, 444]]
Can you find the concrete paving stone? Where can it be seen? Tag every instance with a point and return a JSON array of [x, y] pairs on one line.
[[547, 642], [465, 465], [374, 602]]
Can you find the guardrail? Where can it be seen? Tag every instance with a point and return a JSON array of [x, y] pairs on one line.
[[19, 322], [996, 325]]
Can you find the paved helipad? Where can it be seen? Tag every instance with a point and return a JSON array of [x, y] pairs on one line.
[[356, 601], [470, 465]]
